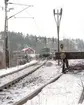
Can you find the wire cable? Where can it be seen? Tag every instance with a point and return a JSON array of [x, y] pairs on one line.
[[18, 12], [20, 4]]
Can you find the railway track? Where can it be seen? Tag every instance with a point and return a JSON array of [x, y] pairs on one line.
[[32, 83], [19, 69], [34, 91], [12, 78], [37, 91]]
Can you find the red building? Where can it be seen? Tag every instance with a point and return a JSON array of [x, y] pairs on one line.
[[28, 50]]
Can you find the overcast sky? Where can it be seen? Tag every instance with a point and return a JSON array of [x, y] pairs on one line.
[[43, 24]]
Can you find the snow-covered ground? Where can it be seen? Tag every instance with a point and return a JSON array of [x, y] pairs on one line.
[[76, 61], [65, 91], [18, 74], [29, 84], [9, 70]]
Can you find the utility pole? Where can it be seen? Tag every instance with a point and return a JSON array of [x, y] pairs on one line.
[[45, 41], [36, 39], [6, 35], [58, 19], [6, 29]]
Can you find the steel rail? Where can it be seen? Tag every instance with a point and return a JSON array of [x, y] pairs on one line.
[[11, 82], [36, 92], [81, 97], [18, 70]]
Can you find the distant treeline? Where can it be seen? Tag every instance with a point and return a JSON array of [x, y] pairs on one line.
[[18, 41]]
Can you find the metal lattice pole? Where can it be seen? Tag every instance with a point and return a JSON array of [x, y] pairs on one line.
[[59, 15], [6, 36]]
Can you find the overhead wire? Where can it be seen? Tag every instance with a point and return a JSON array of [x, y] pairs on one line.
[[19, 4], [25, 9], [18, 12], [34, 21]]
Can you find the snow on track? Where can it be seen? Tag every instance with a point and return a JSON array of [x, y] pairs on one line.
[[16, 75], [30, 83], [65, 91], [10, 70]]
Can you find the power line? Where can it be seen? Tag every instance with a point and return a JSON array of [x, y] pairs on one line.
[[20, 4], [24, 17], [34, 21], [18, 12], [32, 18]]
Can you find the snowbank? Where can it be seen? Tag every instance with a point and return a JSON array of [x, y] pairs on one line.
[[9, 70]]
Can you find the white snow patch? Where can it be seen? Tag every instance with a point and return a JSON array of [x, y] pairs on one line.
[[65, 91], [9, 70], [74, 62]]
